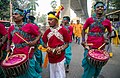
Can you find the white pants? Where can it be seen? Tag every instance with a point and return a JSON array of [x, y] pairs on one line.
[[57, 70]]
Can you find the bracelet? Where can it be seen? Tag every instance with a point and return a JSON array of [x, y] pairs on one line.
[[62, 48]]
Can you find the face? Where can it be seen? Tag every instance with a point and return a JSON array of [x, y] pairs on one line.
[[17, 17], [65, 21], [99, 10], [52, 22], [78, 21]]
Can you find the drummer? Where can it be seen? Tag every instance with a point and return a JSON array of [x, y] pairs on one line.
[[30, 33], [97, 25], [3, 40]]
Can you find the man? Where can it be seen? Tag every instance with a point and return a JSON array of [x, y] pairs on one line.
[[31, 19], [3, 40], [68, 53], [56, 40], [37, 53], [30, 32], [78, 31], [97, 26]]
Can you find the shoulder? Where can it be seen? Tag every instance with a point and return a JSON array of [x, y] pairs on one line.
[[107, 20], [90, 18]]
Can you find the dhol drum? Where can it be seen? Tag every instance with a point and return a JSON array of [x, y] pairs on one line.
[[97, 58], [15, 65]]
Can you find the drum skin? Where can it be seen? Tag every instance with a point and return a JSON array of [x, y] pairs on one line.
[[97, 58], [15, 65]]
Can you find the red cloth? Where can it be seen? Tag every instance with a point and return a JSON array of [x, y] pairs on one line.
[[70, 32], [97, 41], [54, 42], [3, 32], [31, 29]]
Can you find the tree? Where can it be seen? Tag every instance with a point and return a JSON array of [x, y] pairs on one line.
[[4, 10], [32, 4], [113, 5], [43, 18]]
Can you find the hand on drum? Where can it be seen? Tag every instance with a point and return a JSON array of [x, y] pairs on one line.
[[106, 41], [31, 43], [86, 45]]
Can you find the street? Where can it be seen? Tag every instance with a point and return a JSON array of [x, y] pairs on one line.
[[110, 70]]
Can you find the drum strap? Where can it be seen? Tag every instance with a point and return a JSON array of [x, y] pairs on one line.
[[95, 34], [20, 45], [24, 34], [97, 23], [55, 33]]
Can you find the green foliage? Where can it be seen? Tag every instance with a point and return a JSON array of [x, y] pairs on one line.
[[113, 5], [43, 18], [4, 10]]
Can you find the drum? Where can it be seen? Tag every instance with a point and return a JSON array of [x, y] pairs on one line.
[[97, 58], [15, 65]]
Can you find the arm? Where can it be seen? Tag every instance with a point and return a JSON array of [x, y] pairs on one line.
[[34, 42], [83, 38]]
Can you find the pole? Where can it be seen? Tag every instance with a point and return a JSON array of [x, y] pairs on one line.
[[10, 11]]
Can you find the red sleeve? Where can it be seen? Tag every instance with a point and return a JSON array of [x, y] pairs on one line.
[[109, 27], [44, 38], [66, 35], [71, 30], [3, 31], [87, 23], [34, 30]]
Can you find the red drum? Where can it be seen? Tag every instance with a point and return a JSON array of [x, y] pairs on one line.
[[15, 65], [97, 58]]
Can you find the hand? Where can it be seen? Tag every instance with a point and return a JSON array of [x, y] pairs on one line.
[[106, 41], [49, 49], [58, 50], [32, 43]]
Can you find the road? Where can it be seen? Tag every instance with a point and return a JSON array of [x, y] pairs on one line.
[[110, 70]]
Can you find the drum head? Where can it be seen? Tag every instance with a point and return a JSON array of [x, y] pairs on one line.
[[14, 60], [101, 55]]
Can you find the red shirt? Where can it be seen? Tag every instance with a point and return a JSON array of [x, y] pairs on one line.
[[54, 42], [3, 32], [70, 32], [96, 40], [31, 29]]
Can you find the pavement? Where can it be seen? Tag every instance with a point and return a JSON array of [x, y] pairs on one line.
[[110, 70]]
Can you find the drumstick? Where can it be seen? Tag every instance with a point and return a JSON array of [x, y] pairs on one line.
[[21, 38], [89, 44], [101, 46], [7, 56]]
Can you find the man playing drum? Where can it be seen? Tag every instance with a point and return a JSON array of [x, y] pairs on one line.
[[97, 25], [56, 40], [30, 35]]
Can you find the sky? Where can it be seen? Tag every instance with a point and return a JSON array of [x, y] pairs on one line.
[[45, 7]]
